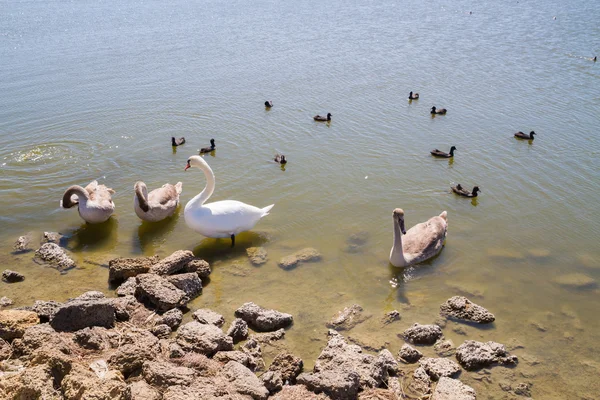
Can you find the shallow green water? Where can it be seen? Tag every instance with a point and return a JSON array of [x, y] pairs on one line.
[[95, 91]]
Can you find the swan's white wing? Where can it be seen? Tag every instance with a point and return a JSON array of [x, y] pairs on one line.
[[223, 218]]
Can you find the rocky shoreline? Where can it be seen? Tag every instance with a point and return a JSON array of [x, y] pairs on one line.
[[136, 346]]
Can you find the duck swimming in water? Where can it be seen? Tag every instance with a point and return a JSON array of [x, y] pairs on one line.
[[439, 153], [177, 142], [414, 96], [280, 158], [208, 149], [438, 110], [458, 189], [268, 104], [521, 135], [320, 118]]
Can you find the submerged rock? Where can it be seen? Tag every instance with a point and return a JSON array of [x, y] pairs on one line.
[[5, 301], [13, 323], [453, 389], [12, 276], [55, 256], [257, 255], [460, 307], [422, 334], [356, 242], [575, 281], [439, 367], [444, 348], [390, 317], [263, 319], [122, 268], [473, 355], [408, 354], [348, 318], [305, 255]]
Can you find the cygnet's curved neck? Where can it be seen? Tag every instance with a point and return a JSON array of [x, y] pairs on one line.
[[210, 184], [397, 255], [141, 192], [81, 193]]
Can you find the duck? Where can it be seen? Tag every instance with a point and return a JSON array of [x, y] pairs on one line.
[[220, 219], [268, 104], [94, 202], [420, 243], [438, 111], [158, 204], [320, 118], [439, 153], [280, 158], [177, 142], [412, 96], [521, 135], [458, 189], [208, 149]]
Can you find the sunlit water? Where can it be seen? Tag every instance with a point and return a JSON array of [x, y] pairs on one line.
[[95, 90]]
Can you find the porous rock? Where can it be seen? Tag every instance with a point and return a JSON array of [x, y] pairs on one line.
[[420, 383], [390, 317], [297, 392], [161, 331], [263, 319], [13, 323], [5, 350], [138, 347], [203, 338], [199, 266], [5, 301], [159, 292], [33, 383], [234, 355], [140, 390], [164, 374], [272, 381], [122, 268], [40, 336], [78, 314], [55, 256], [305, 255], [348, 318], [127, 288], [190, 283], [243, 380], [422, 334], [171, 318], [45, 309], [444, 348], [269, 337], [253, 350], [460, 307], [409, 354], [288, 365], [238, 330], [173, 263], [81, 383], [206, 316], [438, 367], [473, 355], [257, 255], [22, 243], [10, 276], [453, 389], [52, 237], [91, 338]]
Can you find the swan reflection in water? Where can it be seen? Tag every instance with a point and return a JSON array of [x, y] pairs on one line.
[[151, 235], [102, 236], [212, 250]]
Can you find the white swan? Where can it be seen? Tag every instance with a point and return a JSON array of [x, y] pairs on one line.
[[158, 204], [220, 219], [420, 243], [94, 203]]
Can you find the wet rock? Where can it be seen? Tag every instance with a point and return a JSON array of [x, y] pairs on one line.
[[238, 330], [190, 283], [234, 355], [45, 309], [33, 383], [575, 281], [288, 365], [269, 337], [305, 255], [200, 267], [263, 319], [460, 330], [78, 314], [408, 354], [368, 343], [22, 244], [12, 276], [522, 389], [390, 317], [161, 331], [122, 268], [348, 318], [257, 255], [13, 323], [460, 307], [272, 381], [159, 292], [203, 338], [52, 237], [438, 367], [139, 347], [164, 374], [422, 334], [171, 318], [341, 370], [5, 301], [82, 383], [297, 392], [206, 316], [420, 383], [444, 348], [91, 338], [473, 355], [56, 256], [173, 263], [453, 389], [127, 288], [243, 380], [253, 350], [140, 390]]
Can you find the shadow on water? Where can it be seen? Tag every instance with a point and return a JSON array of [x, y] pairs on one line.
[[152, 234], [93, 236], [212, 250]]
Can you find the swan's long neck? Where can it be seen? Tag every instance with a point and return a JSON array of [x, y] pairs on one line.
[[397, 255], [141, 192], [82, 196], [210, 185]]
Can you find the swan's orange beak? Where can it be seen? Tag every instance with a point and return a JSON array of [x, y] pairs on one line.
[[187, 166]]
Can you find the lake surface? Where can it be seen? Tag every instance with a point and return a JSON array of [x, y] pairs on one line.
[[95, 90]]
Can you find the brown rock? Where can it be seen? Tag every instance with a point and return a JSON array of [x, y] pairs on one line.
[[173, 263], [14, 322], [119, 269]]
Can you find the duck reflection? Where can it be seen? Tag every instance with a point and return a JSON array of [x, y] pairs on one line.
[[151, 234]]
